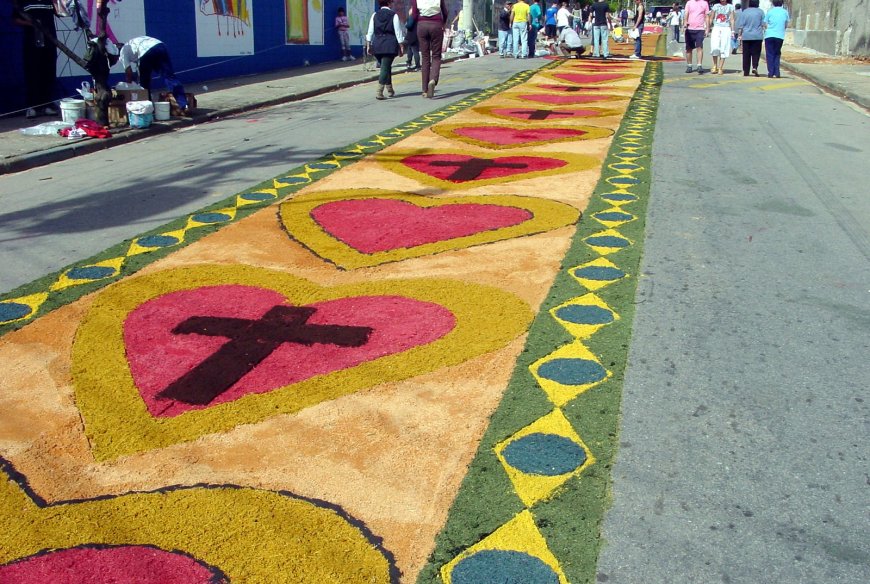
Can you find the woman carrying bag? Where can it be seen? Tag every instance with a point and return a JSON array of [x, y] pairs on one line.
[[384, 40]]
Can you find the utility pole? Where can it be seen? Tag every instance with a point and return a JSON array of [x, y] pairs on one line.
[[465, 21]]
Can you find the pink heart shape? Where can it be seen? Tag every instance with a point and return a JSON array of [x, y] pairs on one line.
[[460, 168], [204, 361], [376, 225], [590, 78], [505, 136]]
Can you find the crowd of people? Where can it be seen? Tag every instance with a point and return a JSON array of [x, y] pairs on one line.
[[730, 25]]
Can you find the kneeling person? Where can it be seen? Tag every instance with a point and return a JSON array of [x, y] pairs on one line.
[[569, 42]]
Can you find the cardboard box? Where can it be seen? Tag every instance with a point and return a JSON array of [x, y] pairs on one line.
[[174, 110], [126, 95], [118, 113]]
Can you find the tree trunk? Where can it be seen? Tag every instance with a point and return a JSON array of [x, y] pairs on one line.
[[98, 66]]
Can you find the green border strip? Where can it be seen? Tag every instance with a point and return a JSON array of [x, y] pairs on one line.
[[488, 510], [30, 301]]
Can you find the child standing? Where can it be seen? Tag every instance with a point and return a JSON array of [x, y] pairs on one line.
[[343, 26]]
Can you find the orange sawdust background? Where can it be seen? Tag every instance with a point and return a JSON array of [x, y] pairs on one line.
[[393, 455]]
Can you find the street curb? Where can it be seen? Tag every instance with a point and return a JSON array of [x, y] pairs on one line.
[[127, 135], [838, 90]]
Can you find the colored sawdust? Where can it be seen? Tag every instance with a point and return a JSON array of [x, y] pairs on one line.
[[366, 238], [244, 532], [390, 450]]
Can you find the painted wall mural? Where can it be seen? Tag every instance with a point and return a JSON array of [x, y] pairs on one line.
[[304, 22], [224, 28]]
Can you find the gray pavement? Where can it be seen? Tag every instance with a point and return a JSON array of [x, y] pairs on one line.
[[744, 434]]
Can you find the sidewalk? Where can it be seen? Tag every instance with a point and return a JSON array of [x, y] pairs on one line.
[[215, 99], [848, 78]]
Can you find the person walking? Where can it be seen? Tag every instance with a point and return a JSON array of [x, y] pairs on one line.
[[150, 56], [750, 32], [40, 57], [550, 22], [412, 44], [694, 31], [535, 24], [505, 39], [721, 23], [520, 19], [384, 39], [775, 22], [599, 16], [430, 16], [623, 18], [639, 15], [675, 19]]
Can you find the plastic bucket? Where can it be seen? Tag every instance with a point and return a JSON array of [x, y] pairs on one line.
[[72, 109], [161, 111], [140, 120]]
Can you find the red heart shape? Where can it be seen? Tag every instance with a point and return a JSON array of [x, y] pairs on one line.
[[461, 168], [564, 99], [544, 114], [375, 225], [503, 136], [588, 78], [569, 88], [159, 358]]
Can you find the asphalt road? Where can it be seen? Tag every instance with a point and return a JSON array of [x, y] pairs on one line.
[[68, 211], [744, 454]]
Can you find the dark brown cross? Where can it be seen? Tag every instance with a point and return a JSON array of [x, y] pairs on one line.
[[542, 114], [474, 167], [250, 342]]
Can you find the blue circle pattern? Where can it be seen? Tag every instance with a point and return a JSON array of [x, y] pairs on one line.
[[544, 454], [211, 217], [502, 567], [572, 371], [618, 197], [13, 311], [258, 196], [607, 241], [585, 314], [90, 273], [614, 216], [600, 273], [157, 241]]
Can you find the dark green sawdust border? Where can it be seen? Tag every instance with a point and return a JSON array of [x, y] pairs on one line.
[[340, 158], [571, 520]]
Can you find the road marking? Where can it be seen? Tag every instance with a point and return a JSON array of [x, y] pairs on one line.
[[774, 86]]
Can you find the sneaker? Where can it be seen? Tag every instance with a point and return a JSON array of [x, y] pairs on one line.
[[30, 113], [430, 89], [689, 69], [755, 72], [49, 111], [714, 70], [700, 70], [633, 57]]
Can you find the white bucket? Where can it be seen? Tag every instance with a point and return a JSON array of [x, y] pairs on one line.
[[161, 111], [72, 109]]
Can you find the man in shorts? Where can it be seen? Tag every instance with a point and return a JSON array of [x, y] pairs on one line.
[[695, 22]]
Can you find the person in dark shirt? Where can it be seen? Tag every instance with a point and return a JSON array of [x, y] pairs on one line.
[[40, 56], [505, 39], [599, 14]]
